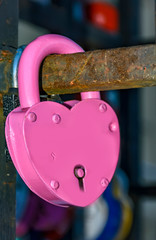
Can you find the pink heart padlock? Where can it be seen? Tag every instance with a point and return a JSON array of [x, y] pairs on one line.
[[66, 154]]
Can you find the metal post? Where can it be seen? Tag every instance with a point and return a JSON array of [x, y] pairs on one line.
[[119, 68], [8, 44]]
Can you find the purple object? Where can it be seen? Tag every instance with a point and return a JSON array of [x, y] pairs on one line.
[[41, 216]]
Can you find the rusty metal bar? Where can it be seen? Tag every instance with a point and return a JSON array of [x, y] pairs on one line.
[[120, 68], [8, 42]]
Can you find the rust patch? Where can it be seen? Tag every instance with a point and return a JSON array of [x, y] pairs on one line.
[[9, 183], [6, 58], [4, 53]]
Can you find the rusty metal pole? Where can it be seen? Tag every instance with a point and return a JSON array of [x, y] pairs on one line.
[[8, 44], [120, 68]]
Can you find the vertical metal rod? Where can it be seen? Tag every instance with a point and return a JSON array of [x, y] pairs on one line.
[[8, 41]]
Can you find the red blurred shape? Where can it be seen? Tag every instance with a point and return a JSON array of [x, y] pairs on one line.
[[104, 16]]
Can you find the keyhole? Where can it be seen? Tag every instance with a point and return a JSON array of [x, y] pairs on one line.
[[79, 173]]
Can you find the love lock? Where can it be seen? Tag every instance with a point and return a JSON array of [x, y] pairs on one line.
[[65, 153]]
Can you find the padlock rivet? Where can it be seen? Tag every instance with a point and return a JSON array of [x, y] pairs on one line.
[[113, 127], [54, 184], [32, 117], [56, 118], [104, 182], [102, 107]]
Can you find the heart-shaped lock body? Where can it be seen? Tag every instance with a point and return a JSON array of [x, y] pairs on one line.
[[66, 154]]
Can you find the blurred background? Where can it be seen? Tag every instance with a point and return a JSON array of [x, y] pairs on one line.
[[127, 209]]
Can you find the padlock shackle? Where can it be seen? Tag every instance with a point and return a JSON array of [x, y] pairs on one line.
[[31, 59], [15, 64]]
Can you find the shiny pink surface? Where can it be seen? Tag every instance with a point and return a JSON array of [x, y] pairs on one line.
[[47, 140], [82, 138], [20, 158]]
